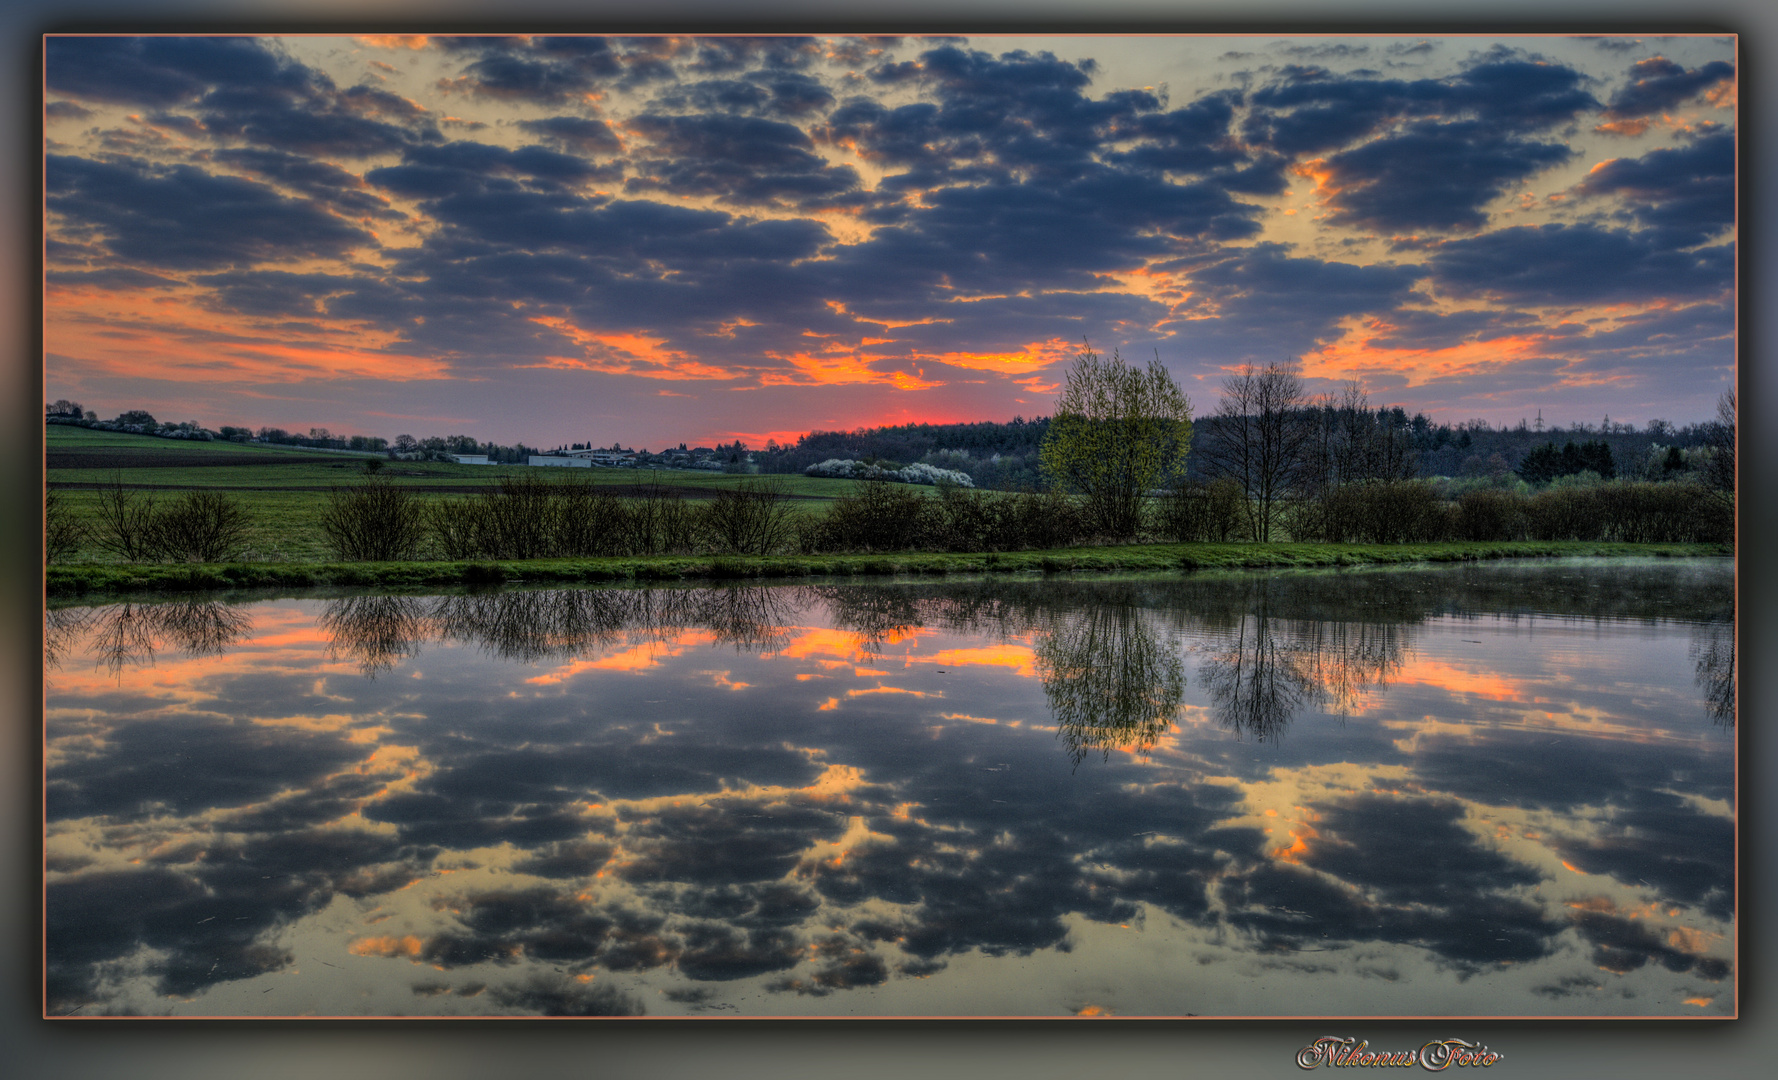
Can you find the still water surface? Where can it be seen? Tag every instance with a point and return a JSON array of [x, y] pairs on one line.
[[1462, 791]]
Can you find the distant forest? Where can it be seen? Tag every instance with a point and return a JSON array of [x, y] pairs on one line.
[[1005, 455]]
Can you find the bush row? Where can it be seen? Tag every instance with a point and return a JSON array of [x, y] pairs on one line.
[[879, 516], [196, 527], [527, 517], [1410, 510]]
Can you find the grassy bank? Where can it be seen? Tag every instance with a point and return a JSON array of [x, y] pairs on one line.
[[101, 580]]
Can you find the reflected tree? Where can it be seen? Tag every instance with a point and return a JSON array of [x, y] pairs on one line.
[[1253, 686], [1112, 682], [129, 635], [1267, 668], [872, 613], [62, 627], [377, 631], [1713, 655]]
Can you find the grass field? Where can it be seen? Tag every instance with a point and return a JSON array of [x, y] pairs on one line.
[[284, 489]]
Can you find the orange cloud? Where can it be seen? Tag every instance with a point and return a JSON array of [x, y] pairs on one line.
[[393, 41], [1456, 680], [1021, 659], [1028, 358], [408, 946], [617, 353], [126, 334], [1364, 348], [837, 370]]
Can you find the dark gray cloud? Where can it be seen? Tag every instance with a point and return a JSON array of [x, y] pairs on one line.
[[1685, 193], [1658, 84], [577, 132], [726, 54], [1404, 870], [561, 997], [166, 70], [1438, 176], [743, 160], [65, 110], [1577, 264], [190, 763], [555, 70], [182, 218], [322, 181], [782, 94], [1660, 841], [1624, 944]]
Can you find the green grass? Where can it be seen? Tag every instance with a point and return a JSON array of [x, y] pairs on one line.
[[286, 548], [285, 468], [78, 580]]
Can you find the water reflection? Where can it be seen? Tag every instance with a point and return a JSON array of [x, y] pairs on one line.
[[531, 626], [848, 798], [1713, 652], [130, 635], [1112, 683]]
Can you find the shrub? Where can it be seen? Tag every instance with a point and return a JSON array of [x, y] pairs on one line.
[[126, 522], [457, 528], [518, 518], [1565, 514], [62, 531], [588, 521], [1375, 512], [875, 516], [658, 521], [1490, 514], [375, 521], [966, 520], [1047, 520], [200, 526], [1194, 511], [752, 518]]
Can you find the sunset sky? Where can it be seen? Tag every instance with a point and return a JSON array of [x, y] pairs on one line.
[[660, 240]]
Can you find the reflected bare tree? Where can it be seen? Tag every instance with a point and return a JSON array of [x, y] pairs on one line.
[[1112, 682], [530, 626], [1254, 688], [1267, 669], [1713, 655], [377, 631], [1344, 660], [129, 635], [872, 613], [62, 628]]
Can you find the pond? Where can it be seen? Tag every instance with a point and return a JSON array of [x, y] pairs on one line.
[[1478, 790]]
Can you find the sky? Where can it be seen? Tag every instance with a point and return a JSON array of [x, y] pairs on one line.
[[648, 241]]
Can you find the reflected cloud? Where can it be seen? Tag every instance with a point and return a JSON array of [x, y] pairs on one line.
[[466, 842]]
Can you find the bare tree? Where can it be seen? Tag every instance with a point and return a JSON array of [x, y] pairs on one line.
[[1719, 469], [1262, 432]]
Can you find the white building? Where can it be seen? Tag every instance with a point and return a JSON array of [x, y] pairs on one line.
[[471, 459], [571, 462]]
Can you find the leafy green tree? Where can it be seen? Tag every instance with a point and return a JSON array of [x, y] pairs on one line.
[[1118, 433]]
